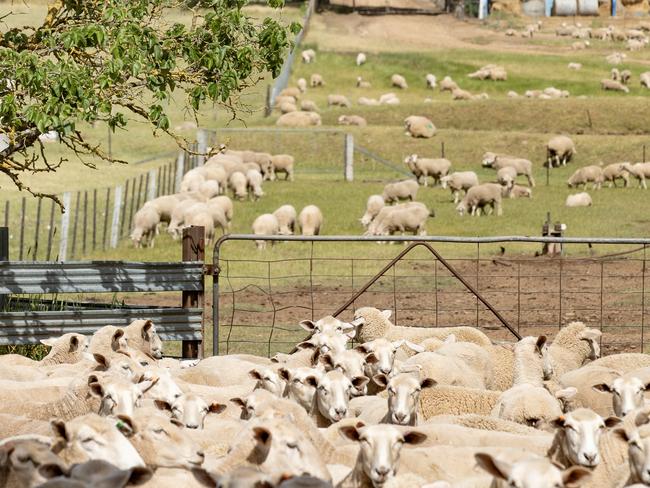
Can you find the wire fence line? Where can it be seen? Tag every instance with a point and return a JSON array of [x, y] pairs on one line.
[[259, 300]]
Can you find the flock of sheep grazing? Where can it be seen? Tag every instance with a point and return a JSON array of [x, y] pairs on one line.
[[403, 407]]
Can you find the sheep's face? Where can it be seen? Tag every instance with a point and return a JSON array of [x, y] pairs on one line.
[[351, 363], [532, 473], [461, 208], [627, 394], [25, 457], [268, 380], [383, 351], [93, 437], [299, 388], [330, 341], [333, 392], [118, 396], [380, 449], [164, 387], [191, 410], [489, 158], [136, 236], [582, 429], [638, 441], [592, 338], [403, 395]]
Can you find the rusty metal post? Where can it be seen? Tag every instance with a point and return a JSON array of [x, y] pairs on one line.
[[193, 249]]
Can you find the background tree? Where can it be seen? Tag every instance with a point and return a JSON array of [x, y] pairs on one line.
[[105, 60]]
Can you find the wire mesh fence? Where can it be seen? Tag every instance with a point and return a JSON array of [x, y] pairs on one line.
[[261, 297]]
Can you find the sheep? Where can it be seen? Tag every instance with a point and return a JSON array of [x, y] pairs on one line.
[[316, 80], [418, 126], [507, 176], [379, 453], [616, 58], [225, 203], [374, 204], [282, 163], [615, 74], [510, 32], [498, 161], [164, 205], [291, 92], [375, 324], [574, 345], [401, 190], [430, 80], [352, 120], [69, 348], [398, 81], [627, 391], [145, 227], [363, 84], [636, 45], [202, 219], [286, 216], [265, 225], [387, 98], [460, 94], [559, 150], [142, 335], [532, 472], [447, 84], [209, 189], [361, 59], [580, 45], [626, 75], [368, 101], [459, 181], [308, 106], [254, 184], [644, 79], [299, 119], [408, 217], [612, 172], [574, 66], [338, 101], [287, 107], [640, 171], [638, 447], [302, 85], [425, 167], [587, 174], [191, 181], [478, 197], [280, 99], [607, 84], [238, 183], [457, 400], [582, 199], [308, 56], [310, 220]]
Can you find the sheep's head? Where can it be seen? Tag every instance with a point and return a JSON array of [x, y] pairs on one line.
[[381, 446], [119, 395], [269, 380], [638, 441], [461, 208], [30, 460], [191, 410], [351, 363], [489, 158], [532, 473], [374, 323], [381, 354], [136, 236], [301, 390], [592, 338], [580, 432], [628, 393], [333, 392], [150, 342], [93, 437], [403, 395]]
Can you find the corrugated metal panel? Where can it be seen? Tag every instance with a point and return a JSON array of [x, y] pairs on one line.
[[576, 7], [30, 327], [99, 277]]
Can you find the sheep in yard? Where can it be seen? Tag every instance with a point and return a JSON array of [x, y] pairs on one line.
[[588, 174], [402, 190], [460, 94], [164, 205], [286, 216], [612, 172], [418, 126], [282, 163], [574, 345], [338, 101], [518, 191], [310, 220], [388, 99], [644, 79], [579, 45], [640, 171], [308, 106], [371, 102], [299, 119], [352, 120], [316, 80], [254, 185], [507, 176], [239, 185], [425, 167], [447, 84], [478, 197], [291, 92], [406, 217], [559, 150], [626, 75], [613, 85], [574, 66], [302, 85], [361, 83], [287, 107], [361, 59], [459, 181], [578, 200], [308, 56], [202, 219], [373, 206], [265, 225], [636, 45], [498, 161], [431, 81], [398, 81], [145, 228]]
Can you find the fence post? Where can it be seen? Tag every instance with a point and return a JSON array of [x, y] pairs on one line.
[[22, 228], [180, 166], [65, 224], [50, 233], [267, 105], [348, 157], [115, 226], [37, 228], [193, 249], [202, 140], [4, 256], [152, 185]]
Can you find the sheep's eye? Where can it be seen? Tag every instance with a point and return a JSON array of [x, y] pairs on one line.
[[292, 445], [87, 440], [296, 380], [175, 409], [159, 431], [339, 329], [144, 363], [24, 459], [617, 393], [267, 379]]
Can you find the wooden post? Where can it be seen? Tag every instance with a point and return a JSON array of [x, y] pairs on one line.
[[7, 213], [348, 157], [4, 256], [151, 180], [267, 106], [202, 146], [180, 170], [163, 182], [159, 180], [442, 149], [22, 229], [193, 250], [74, 225], [132, 209], [126, 199], [37, 228], [108, 202], [85, 228], [50, 233], [94, 219], [115, 225], [138, 201], [65, 225]]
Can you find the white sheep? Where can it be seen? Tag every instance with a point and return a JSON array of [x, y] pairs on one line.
[[265, 225], [498, 161], [254, 184], [613, 172], [431, 81], [338, 101], [587, 174], [644, 79], [425, 167], [374, 204], [361, 59], [316, 80], [352, 120], [302, 85], [308, 106], [145, 226], [401, 190], [507, 176], [574, 66], [406, 217], [582, 199], [361, 83], [308, 56], [286, 216], [398, 81], [459, 181], [480, 196], [299, 119], [310, 220], [447, 84], [419, 126], [613, 85], [560, 150]]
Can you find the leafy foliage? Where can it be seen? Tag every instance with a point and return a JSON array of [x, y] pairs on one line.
[[107, 60]]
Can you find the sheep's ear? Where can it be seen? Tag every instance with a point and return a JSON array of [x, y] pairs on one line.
[[101, 360], [362, 348], [349, 432], [381, 380], [255, 374], [612, 421], [305, 345], [59, 430], [622, 434], [417, 347], [311, 381], [51, 470], [284, 373], [327, 361], [590, 334], [387, 314], [496, 468], [162, 405], [371, 358], [147, 384], [559, 422], [74, 343], [118, 334], [603, 387], [308, 325], [414, 437], [216, 407], [539, 345], [566, 393], [48, 342], [262, 435], [125, 425], [641, 419], [575, 476], [96, 389], [147, 328], [239, 402], [428, 383], [202, 477], [359, 381]]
